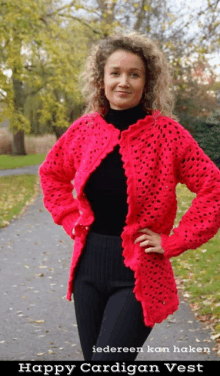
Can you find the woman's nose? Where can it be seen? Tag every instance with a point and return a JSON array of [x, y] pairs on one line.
[[124, 80]]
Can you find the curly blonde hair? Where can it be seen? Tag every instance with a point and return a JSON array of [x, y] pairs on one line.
[[157, 93]]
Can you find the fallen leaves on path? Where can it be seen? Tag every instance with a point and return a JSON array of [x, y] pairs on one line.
[[36, 321]]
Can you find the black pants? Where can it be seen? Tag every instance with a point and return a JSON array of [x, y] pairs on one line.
[[107, 312]]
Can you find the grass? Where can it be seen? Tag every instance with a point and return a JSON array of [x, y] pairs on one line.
[[15, 193], [12, 161], [199, 270]]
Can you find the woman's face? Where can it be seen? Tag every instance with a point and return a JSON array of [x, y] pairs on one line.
[[124, 79]]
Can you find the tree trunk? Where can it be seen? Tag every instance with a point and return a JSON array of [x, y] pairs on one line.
[[18, 136], [58, 131], [141, 16], [18, 143]]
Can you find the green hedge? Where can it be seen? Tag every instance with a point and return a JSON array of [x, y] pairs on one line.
[[206, 134]]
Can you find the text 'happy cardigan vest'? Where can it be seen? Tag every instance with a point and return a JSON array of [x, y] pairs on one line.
[[157, 153]]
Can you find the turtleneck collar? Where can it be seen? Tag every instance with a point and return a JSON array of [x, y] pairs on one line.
[[121, 119]]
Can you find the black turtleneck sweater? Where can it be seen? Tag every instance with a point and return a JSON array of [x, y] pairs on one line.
[[106, 188]]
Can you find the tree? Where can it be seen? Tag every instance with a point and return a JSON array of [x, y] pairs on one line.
[[43, 54], [194, 82]]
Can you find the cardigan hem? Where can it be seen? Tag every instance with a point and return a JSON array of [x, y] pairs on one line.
[[150, 319]]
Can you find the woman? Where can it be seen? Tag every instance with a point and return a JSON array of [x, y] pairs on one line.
[[126, 155]]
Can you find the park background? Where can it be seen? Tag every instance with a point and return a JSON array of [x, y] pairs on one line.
[[43, 49]]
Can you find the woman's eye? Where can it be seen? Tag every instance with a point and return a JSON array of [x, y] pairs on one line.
[[135, 75]]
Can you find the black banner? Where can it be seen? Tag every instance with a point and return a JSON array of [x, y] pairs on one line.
[[66, 368]]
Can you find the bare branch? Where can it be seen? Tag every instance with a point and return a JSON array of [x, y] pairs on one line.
[[67, 6], [82, 22]]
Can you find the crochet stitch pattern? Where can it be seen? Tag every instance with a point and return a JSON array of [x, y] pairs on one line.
[[157, 154]]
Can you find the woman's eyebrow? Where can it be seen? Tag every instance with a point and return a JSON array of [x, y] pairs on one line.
[[115, 67]]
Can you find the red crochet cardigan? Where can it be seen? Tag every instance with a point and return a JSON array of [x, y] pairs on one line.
[[157, 153]]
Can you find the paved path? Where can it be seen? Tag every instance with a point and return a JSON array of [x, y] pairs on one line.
[[38, 323], [28, 170]]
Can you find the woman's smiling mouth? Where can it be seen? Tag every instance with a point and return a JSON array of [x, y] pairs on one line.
[[123, 92]]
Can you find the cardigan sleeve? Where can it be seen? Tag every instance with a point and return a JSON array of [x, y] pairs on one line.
[[202, 220], [56, 175]]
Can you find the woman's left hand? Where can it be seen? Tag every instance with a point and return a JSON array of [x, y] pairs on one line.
[[150, 238]]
